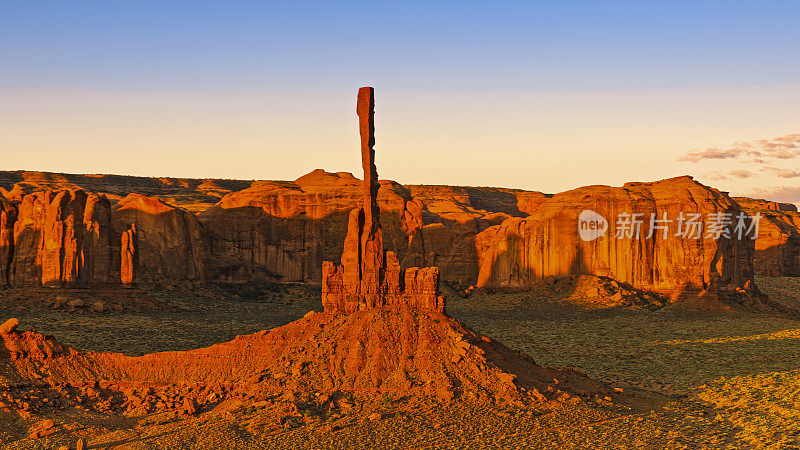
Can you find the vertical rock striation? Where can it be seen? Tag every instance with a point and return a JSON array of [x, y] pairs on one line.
[[777, 252], [164, 245], [8, 215], [62, 238], [520, 251]]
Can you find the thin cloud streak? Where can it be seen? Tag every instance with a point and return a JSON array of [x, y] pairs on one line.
[[782, 173], [784, 147], [741, 174], [783, 194]]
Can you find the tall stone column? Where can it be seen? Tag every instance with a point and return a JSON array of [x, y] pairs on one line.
[[365, 109], [129, 257], [372, 262]]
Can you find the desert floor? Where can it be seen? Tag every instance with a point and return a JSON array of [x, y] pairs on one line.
[[695, 380]]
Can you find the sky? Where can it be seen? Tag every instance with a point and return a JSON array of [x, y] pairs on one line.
[[537, 95]]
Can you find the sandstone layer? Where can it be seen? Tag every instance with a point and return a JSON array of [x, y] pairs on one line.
[[547, 243]]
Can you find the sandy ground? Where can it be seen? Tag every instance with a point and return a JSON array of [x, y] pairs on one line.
[[703, 381]]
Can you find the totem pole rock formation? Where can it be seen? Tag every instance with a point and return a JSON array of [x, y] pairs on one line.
[[370, 277]]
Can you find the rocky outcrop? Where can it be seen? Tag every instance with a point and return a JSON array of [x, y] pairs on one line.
[[8, 215], [129, 256], [777, 248], [191, 194], [522, 250], [159, 242], [62, 238], [29, 344], [370, 277]]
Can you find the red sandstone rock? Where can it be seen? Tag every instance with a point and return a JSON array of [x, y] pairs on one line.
[[191, 194], [162, 241], [523, 250], [8, 215], [129, 257], [449, 219], [62, 239], [777, 248], [285, 230], [29, 345], [758, 204], [370, 277], [9, 326]]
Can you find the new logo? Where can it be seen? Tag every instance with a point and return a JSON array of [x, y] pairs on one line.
[[591, 225]]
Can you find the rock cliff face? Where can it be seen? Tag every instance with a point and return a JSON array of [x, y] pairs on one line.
[[777, 250], [62, 238], [159, 242], [8, 215], [451, 218], [521, 251], [285, 230], [370, 277]]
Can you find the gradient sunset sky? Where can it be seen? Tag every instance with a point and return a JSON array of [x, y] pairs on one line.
[[545, 96]]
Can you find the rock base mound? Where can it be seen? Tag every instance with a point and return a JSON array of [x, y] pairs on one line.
[[362, 356]]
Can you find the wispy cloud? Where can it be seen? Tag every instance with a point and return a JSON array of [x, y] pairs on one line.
[[720, 176], [741, 174], [782, 173], [784, 147], [786, 194]]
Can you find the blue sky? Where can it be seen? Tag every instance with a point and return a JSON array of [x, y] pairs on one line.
[[181, 82], [399, 45]]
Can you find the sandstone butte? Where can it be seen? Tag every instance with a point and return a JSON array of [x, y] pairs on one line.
[[522, 250], [777, 251], [285, 230], [378, 334]]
